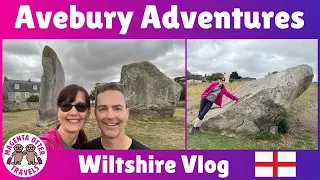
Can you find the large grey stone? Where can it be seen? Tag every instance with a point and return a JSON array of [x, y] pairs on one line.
[[262, 104], [52, 81], [149, 92]]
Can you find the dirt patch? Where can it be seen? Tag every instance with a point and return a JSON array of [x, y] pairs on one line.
[[192, 114], [304, 125], [309, 120]]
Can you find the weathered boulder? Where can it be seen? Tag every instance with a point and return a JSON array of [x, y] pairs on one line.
[[52, 81], [149, 92], [262, 104]]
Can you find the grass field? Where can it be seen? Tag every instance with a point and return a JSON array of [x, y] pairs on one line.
[[299, 136], [154, 133]]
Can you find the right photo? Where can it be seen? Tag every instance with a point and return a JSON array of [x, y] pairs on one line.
[[252, 94]]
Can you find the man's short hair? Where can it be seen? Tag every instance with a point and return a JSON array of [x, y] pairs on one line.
[[113, 86]]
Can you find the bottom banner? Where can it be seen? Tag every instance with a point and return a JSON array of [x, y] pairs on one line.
[[164, 164]]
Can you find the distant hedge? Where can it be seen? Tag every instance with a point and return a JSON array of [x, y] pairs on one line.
[[33, 98]]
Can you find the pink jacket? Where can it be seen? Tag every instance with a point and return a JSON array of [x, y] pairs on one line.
[[52, 140], [223, 91]]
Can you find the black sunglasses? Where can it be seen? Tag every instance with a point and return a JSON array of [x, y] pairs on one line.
[[80, 107]]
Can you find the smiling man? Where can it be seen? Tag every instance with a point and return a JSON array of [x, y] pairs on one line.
[[112, 115]]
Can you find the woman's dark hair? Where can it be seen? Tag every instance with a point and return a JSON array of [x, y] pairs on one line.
[[69, 94]]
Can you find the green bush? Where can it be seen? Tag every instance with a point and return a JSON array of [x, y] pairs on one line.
[[265, 136], [33, 98], [182, 97], [180, 80], [283, 126]]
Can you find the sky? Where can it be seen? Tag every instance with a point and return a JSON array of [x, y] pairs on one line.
[[86, 62], [251, 58]]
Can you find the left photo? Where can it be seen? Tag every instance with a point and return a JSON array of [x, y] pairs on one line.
[[95, 94]]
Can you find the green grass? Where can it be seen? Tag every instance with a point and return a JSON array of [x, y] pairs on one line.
[[306, 100], [296, 138], [265, 136], [213, 140], [155, 133]]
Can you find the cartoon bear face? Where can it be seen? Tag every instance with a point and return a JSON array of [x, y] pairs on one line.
[[18, 147], [30, 147]]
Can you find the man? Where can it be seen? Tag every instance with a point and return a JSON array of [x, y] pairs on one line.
[[112, 115]]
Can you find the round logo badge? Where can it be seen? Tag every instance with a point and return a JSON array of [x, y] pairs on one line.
[[24, 155]]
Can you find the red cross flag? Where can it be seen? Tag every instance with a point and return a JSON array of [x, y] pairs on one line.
[[275, 164]]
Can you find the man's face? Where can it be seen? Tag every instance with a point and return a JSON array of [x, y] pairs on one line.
[[111, 113]]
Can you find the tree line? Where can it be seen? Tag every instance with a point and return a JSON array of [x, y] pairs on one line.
[[233, 76], [181, 80], [217, 75]]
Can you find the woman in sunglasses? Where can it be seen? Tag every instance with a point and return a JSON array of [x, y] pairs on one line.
[[212, 94], [73, 110]]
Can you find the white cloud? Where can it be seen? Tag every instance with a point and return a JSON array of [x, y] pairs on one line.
[[87, 62], [251, 58]]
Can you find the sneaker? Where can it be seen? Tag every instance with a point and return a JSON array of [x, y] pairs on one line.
[[197, 130], [192, 130]]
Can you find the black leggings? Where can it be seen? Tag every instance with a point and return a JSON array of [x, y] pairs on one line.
[[205, 105]]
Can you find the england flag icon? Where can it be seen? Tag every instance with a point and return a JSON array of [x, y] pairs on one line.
[[275, 164]]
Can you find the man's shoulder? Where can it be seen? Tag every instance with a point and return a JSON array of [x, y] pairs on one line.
[[93, 144], [137, 145]]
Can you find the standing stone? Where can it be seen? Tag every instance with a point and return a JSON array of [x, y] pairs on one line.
[[149, 92], [263, 103], [52, 81]]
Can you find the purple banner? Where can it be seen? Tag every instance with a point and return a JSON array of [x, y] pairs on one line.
[[175, 164]]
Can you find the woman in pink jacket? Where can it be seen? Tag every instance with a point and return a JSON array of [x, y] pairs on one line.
[[73, 110], [213, 94]]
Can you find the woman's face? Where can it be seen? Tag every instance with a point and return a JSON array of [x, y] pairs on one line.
[[73, 118], [221, 81]]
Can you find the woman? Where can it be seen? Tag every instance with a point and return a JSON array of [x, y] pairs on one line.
[[213, 94], [73, 109]]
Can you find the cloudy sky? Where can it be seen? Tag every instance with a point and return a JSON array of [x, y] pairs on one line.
[[251, 58], [86, 62]]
